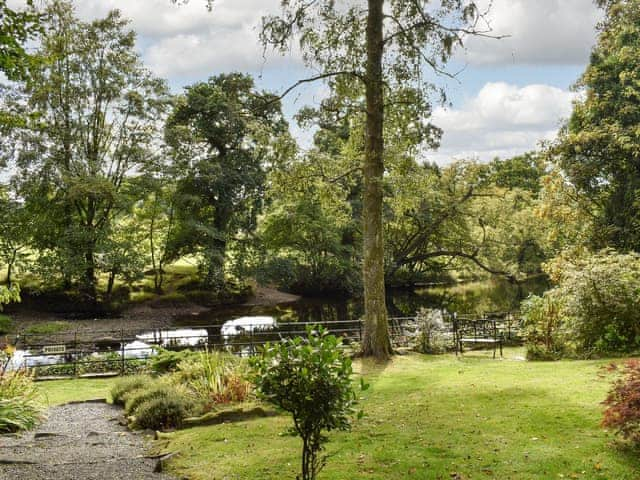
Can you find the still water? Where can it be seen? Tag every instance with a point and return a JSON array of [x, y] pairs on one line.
[[471, 298]]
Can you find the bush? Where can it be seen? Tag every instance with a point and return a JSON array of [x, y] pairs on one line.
[[623, 403], [311, 379], [215, 377], [431, 331], [125, 385], [167, 360], [135, 398], [600, 301], [21, 407], [164, 412], [543, 326], [154, 403]]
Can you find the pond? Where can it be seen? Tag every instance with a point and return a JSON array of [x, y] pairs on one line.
[[471, 298]]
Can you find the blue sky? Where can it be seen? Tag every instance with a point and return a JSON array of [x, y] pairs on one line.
[[512, 93]]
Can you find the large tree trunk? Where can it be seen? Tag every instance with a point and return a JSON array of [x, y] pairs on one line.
[[375, 340]]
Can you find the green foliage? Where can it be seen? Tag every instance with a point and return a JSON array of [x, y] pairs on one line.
[[125, 385], [166, 361], [311, 379], [599, 147], [48, 328], [164, 412], [153, 403], [522, 171], [215, 377], [17, 27], [543, 326], [591, 310], [76, 150], [9, 294], [224, 134], [6, 324], [21, 406], [623, 403], [600, 301], [431, 338]]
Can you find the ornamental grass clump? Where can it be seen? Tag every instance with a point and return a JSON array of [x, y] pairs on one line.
[[215, 377], [623, 403], [21, 405], [311, 379]]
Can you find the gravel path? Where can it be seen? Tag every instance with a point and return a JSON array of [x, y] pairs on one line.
[[82, 441]]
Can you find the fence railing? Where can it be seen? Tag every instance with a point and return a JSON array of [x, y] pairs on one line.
[[114, 352]]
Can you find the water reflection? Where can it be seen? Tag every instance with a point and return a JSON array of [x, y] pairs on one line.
[[470, 298]]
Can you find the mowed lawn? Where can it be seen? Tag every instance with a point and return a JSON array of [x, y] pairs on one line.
[[433, 417]]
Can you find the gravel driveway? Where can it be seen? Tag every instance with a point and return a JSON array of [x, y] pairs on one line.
[[82, 441]]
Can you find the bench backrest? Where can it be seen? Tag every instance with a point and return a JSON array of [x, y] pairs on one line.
[[475, 328]]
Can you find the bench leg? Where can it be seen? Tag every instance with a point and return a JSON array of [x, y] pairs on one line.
[[500, 348], [494, 351]]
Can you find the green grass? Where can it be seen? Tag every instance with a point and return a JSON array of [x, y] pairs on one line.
[[433, 418], [48, 328], [62, 391]]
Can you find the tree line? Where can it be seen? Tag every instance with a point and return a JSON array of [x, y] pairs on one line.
[[107, 176]]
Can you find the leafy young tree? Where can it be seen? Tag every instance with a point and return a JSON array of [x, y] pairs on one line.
[[311, 379], [225, 134], [91, 112], [155, 214], [385, 46], [599, 149]]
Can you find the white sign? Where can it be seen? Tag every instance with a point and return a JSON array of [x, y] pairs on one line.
[[52, 349]]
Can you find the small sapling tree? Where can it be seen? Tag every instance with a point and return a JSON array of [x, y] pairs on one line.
[[311, 379]]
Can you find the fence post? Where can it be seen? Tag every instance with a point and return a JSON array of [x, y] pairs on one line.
[[75, 353], [122, 366]]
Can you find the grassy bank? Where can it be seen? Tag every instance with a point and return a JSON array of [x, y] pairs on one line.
[[435, 418]]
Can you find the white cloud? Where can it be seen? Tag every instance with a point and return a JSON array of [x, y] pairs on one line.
[[540, 32], [502, 120], [186, 40]]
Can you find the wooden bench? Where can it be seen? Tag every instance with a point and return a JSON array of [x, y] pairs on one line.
[[483, 331]]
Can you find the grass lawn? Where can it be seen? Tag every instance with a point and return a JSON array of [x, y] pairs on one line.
[[63, 391], [436, 417]]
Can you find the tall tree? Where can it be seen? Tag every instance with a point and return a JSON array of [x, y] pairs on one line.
[[385, 45], [225, 134], [16, 28], [599, 149], [91, 114]]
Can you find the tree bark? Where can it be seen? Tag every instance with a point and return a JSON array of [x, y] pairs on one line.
[[375, 340]]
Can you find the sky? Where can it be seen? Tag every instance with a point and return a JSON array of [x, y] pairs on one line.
[[511, 94]]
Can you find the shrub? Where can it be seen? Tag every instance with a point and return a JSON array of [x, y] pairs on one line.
[[125, 385], [215, 377], [543, 326], [21, 407], [600, 301], [623, 403], [311, 379], [167, 360], [431, 331], [164, 412], [135, 398]]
